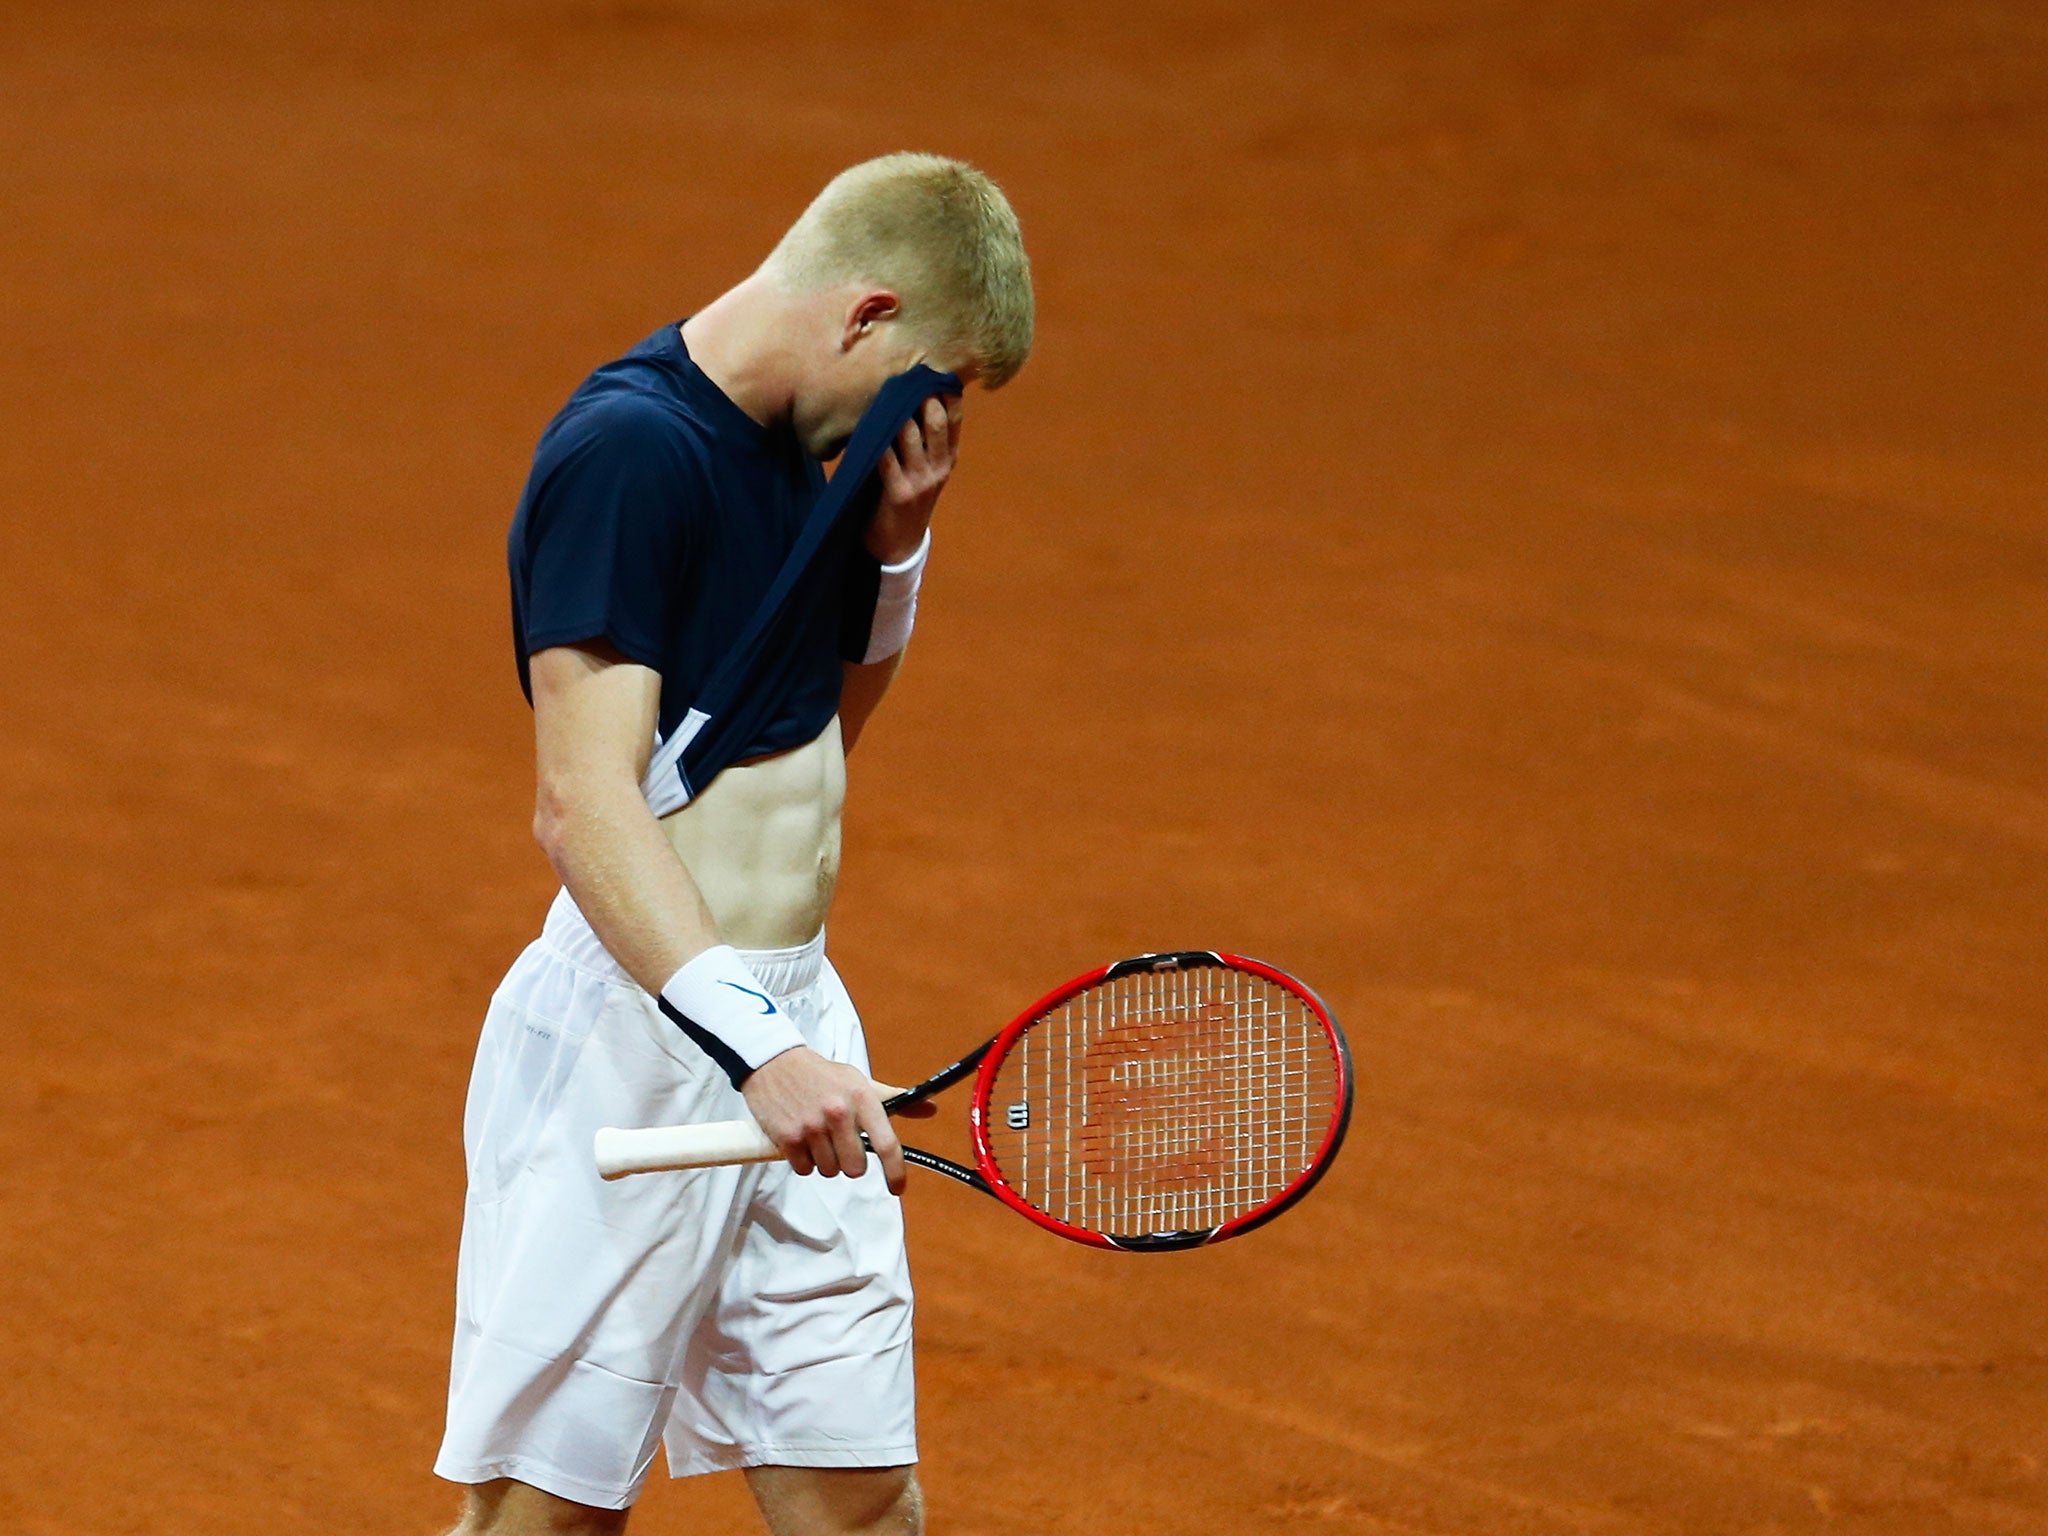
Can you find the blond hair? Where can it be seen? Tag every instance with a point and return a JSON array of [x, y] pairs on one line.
[[938, 232]]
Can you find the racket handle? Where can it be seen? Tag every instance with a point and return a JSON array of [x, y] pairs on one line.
[[660, 1148]]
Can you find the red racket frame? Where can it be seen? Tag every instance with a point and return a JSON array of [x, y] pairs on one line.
[[999, 1047]]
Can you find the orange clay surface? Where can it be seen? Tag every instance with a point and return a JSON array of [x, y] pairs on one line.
[[1530, 516]]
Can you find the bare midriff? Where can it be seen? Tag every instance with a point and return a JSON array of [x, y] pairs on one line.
[[762, 843]]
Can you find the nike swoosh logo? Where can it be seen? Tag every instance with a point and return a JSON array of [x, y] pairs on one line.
[[766, 1005]]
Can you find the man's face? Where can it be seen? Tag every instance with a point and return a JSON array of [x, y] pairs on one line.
[[868, 350]]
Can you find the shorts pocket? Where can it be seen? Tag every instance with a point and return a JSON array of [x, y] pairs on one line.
[[538, 1024]]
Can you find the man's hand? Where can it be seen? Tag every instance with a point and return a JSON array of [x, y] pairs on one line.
[[815, 1110], [914, 470]]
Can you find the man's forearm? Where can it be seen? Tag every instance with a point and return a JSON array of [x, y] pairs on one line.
[[861, 688], [643, 904], [618, 864], [864, 682]]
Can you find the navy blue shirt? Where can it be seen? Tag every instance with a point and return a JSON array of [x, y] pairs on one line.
[[657, 515]]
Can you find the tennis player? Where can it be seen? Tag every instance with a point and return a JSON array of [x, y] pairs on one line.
[[755, 1317]]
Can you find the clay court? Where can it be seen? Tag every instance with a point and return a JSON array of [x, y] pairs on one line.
[[1530, 517]]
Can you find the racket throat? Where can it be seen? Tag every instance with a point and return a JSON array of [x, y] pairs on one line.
[[1160, 1242], [951, 1170]]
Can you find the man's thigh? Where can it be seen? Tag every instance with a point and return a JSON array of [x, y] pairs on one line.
[[807, 1360], [575, 1296]]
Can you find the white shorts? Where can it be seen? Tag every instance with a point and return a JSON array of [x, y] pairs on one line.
[[742, 1316]]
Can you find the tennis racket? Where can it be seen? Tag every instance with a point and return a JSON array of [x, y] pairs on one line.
[[1162, 1102]]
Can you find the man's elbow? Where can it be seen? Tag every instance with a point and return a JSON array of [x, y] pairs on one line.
[[560, 810], [577, 808]]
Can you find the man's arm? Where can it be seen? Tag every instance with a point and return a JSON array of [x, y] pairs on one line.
[[594, 719], [914, 470], [861, 687], [593, 724]]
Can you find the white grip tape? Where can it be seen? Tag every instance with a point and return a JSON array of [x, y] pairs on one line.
[[662, 1148]]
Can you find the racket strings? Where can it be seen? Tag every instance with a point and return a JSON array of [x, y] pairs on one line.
[[1164, 1101]]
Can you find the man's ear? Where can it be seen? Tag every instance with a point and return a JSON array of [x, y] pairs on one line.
[[866, 312]]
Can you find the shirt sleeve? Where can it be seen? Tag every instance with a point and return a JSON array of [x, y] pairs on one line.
[[608, 532]]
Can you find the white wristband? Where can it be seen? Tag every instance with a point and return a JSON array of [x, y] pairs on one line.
[[896, 604], [722, 1006]]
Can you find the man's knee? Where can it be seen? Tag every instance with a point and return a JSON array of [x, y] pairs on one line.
[[505, 1507], [839, 1501]]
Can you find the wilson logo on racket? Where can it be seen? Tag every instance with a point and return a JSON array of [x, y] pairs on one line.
[[1162, 1102]]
